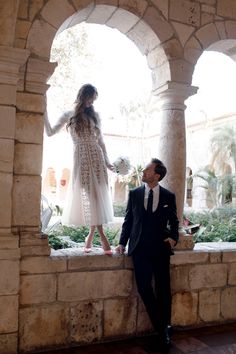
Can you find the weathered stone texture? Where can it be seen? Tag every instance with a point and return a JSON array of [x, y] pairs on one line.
[[220, 25], [30, 102], [34, 9], [229, 256], [184, 309], [192, 50], [228, 301], [36, 39], [22, 28], [215, 257], [7, 94], [122, 20], [94, 262], [9, 277], [28, 159], [34, 265], [226, 8], [86, 322], [5, 192], [8, 343], [232, 274], [55, 12], [143, 37], [8, 314], [120, 316], [143, 321], [101, 14], [209, 305], [7, 122], [8, 11], [29, 128], [183, 31], [202, 276], [6, 155], [185, 11], [42, 327], [207, 35], [84, 285], [162, 6], [134, 6], [179, 279], [26, 200], [161, 27], [36, 289]]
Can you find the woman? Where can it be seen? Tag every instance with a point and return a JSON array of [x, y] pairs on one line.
[[88, 198]]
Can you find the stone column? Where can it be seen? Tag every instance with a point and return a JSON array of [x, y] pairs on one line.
[[172, 145], [28, 158], [11, 59]]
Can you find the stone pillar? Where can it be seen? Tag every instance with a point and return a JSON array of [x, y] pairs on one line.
[[172, 145], [28, 158], [11, 59]]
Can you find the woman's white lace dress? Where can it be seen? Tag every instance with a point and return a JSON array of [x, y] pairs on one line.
[[88, 200]]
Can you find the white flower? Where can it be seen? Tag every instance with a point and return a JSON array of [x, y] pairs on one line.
[[122, 165]]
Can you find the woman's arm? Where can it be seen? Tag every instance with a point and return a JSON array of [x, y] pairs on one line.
[[103, 147], [58, 126]]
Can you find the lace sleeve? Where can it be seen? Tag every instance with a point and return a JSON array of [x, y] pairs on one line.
[[58, 126]]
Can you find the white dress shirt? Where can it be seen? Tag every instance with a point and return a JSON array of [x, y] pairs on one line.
[[156, 192]]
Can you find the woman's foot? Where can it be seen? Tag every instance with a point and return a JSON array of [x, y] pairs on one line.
[[106, 247], [88, 245]]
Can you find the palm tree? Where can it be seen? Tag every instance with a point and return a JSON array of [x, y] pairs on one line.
[[223, 144]]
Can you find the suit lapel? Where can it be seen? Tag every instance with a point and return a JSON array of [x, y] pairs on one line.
[[141, 199], [161, 200]]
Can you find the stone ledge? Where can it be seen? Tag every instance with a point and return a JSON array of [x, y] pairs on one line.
[[213, 252]]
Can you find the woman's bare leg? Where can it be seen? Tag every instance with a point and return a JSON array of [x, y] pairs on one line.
[[105, 244], [89, 239]]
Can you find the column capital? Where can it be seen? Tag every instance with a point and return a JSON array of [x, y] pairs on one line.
[[11, 59], [37, 74], [172, 95]]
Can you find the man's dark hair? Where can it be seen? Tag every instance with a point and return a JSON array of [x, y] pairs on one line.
[[160, 168]]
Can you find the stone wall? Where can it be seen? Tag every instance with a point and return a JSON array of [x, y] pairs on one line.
[[172, 34], [69, 299]]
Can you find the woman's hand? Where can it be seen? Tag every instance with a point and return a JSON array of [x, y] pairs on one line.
[[111, 167], [120, 249]]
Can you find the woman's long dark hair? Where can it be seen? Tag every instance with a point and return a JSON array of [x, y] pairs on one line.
[[86, 91]]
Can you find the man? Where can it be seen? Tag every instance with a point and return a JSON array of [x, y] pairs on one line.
[[151, 227]]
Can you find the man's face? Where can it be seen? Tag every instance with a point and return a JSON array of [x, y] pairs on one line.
[[149, 174]]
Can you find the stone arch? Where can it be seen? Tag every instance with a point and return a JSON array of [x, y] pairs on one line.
[[145, 25], [219, 36]]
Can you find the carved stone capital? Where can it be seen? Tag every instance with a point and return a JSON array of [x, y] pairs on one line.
[[172, 95], [37, 74]]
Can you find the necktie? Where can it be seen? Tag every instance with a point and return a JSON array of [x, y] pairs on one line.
[[150, 201]]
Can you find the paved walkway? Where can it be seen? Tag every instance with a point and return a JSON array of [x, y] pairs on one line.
[[209, 340]]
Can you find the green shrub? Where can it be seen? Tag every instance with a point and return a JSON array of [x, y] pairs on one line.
[[78, 234], [56, 242], [218, 225], [119, 209]]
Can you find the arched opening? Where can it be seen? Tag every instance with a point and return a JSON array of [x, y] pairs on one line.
[[130, 24], [210, 121]]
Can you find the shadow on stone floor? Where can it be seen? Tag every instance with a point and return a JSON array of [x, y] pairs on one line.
[[208, 340]]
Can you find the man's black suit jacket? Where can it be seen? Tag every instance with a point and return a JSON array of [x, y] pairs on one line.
[[167, 224]]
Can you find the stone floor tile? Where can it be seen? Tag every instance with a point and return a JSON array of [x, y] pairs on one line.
[[190, 344], [208, 340]]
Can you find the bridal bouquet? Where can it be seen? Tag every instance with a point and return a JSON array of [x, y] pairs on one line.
[[122, 165]]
